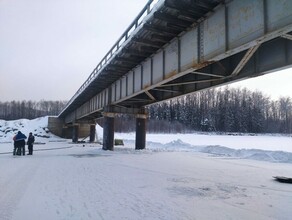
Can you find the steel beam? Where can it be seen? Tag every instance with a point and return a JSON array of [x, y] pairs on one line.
[[207, 74], [148, 43], [150, 96], [287, 36], [172, 19], [244, 60], [160, 30], [188, 83]]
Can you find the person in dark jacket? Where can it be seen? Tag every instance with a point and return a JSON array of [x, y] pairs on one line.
[[15, 150], [19, 141], [30, 142]]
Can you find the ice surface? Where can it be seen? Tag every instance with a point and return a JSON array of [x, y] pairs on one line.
[[177, 176]]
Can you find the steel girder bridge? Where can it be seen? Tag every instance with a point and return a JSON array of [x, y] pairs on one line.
[[176, 47]]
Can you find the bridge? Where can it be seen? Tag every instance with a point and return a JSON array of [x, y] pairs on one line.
[[176, 47]]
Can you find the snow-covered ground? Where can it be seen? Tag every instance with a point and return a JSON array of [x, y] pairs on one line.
[[37, 126], [178, 176]]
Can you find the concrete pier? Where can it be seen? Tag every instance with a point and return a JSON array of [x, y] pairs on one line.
[[140, 141], [75, 133], [92, 133], [108, 131], [79, 129]]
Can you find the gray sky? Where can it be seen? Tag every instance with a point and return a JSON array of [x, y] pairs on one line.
[[48, 48], [275, 85]]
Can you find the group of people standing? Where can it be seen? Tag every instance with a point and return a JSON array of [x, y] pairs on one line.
[[19, 143]]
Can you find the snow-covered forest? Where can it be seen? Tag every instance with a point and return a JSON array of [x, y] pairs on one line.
[[228, 110], [220, 110], [29, 109]]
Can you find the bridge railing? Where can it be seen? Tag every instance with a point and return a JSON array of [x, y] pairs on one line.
[[138, 21]]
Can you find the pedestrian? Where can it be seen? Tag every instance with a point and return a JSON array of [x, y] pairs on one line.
[[19, 141], [30, 142], [15, 149]]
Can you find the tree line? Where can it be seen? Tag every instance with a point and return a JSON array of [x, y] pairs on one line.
[[30, 109], [227, 110], [219, 110]]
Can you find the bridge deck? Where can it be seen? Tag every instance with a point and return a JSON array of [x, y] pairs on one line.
[[155, 26], [181, 46]]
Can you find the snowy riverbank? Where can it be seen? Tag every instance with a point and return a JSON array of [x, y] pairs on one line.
[[182, 176]]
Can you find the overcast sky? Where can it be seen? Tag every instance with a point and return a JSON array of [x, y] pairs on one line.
[[48, 48]]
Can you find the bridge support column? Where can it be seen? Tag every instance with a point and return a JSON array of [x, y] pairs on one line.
[[92, 133], [75, 133], [140, 142], [108, 131]]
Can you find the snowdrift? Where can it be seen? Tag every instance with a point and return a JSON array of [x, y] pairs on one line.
[[37, 126]]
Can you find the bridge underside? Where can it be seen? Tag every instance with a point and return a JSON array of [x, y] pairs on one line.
[[183, 47], [256, 61]]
